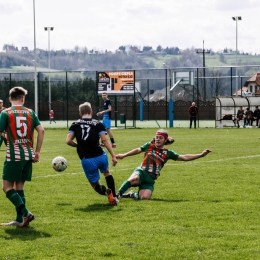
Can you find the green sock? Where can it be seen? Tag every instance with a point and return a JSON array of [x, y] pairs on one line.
[[124, 187], [19, 214], [14, 197], [17, 201]]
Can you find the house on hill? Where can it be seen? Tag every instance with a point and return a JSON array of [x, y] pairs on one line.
[[253, 84], [10, 48], [24, 50], [251, 87]]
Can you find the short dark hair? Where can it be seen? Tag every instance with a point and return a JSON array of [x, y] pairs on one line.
[[17, 92]]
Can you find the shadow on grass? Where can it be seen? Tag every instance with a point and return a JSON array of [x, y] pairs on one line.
[[96, 207], [24, 234]]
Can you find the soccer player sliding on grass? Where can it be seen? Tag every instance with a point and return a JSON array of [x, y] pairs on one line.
[[155, 157]]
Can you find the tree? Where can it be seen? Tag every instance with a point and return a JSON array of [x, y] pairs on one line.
[[122, 48], [147, 48], [5, 47], [159, 48]]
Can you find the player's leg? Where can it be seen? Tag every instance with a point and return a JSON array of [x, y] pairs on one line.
[[133, 181], [146, 187], [107, 124], [111, 191], [110, 181], [145, 194], [111, 136], [12, 172], [91, 168]]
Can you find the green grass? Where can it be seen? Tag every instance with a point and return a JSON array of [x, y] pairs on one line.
[[204, 209], [210, 60]]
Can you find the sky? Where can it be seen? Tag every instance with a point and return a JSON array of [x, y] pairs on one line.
[[105, 25]]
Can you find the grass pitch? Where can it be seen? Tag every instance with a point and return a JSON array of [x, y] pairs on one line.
[[204, 209]]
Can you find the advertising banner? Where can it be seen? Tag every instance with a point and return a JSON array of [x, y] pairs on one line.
[[116, 82]]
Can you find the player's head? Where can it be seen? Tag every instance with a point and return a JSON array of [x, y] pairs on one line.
[[104, 95], [17, 93], [85, 109], [161, 138], [193, 104]]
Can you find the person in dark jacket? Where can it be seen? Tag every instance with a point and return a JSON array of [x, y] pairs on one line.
[[193, 111]]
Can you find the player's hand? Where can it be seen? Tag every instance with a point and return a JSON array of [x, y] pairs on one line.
[[120, 156], [36, 157], [205, 152], [114, 160]]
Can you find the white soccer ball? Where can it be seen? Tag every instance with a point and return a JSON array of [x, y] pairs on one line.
[[59, 164]]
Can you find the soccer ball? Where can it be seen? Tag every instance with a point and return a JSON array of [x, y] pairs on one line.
[[59, 164]]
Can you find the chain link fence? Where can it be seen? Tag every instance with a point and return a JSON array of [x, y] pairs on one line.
[[151, 102]]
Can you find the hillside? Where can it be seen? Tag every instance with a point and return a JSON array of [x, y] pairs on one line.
[[110, 61]]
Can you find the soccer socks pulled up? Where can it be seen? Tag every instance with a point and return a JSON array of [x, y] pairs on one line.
[[111, 184], [124, 187], [17, 201], [101, 189], [19, 214]]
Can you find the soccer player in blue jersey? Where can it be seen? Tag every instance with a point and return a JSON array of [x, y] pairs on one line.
[[19, 123], [87, 132], [154, 159], [106, 113]]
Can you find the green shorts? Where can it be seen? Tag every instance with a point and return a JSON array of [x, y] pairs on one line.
[[145, 180], [17, 171]]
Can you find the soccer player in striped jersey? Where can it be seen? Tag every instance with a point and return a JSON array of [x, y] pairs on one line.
[[154, 159], [19, 122]]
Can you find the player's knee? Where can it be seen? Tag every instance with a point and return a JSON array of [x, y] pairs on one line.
[[134, 180], [144, 197]]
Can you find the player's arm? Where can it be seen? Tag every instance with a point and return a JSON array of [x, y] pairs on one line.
[[40, 136], [70, 138], [109, 148], [130, 153], [190, 157], [105, 111]]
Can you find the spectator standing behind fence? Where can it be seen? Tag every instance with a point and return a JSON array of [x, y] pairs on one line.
[[256, 116], [2, 137], [52, 117], [248, 120], [240, 115], [193, 111]]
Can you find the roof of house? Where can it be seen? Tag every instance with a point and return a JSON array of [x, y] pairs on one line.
[[255, 78]]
